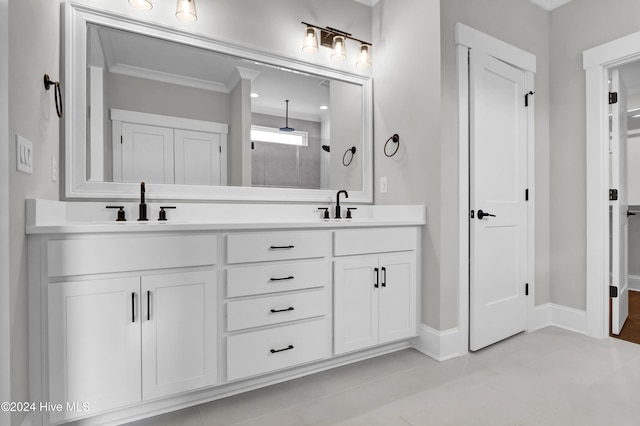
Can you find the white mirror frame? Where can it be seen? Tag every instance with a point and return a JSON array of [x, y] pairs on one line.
[[78, 16]]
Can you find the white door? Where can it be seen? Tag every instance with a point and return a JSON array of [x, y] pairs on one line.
[[94, 344], [619, 228], [356, 292], [147, 154], [179, 333], [197, 158], [498, 180], [397, 301]]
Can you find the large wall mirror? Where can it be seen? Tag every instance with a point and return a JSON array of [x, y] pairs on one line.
[[195, 118]]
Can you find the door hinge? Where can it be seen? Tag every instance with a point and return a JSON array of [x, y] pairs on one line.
[[613, 195], [613, 291], [526, 194], [220, 149], [526, 289], [471, 214], [526, 98], [613, 98], [120, 140]]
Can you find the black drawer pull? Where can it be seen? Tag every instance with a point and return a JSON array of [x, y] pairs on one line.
[[281, 247], [290, 277], [288, 348], [275, 311]]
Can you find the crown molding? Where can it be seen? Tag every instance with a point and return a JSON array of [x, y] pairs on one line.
[[548, 5]]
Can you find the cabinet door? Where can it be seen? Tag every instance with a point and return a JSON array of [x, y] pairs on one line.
[[397, 305], [147, 154], [197, 157], [179, 332], [355, 303], [94, 345]]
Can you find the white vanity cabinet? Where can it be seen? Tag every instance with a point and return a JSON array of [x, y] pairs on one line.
[[122, 327], [374, 294], [278, 301]]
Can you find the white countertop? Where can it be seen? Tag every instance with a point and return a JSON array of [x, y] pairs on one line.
[[57, 217]]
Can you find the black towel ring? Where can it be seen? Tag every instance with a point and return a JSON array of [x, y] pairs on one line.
[[395, 139], [58, 94], [351, 150]]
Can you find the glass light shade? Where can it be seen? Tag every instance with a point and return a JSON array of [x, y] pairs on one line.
[[364, 61], [310, 43], [186, 10], [339, 50], [142, 4]]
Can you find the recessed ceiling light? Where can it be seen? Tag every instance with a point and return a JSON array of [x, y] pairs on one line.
[[324, 107], [255, 95]]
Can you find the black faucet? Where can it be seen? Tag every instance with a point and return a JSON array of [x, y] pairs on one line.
[[346, 194], [142, 216]]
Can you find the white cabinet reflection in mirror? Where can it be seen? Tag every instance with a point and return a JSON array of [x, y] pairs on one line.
[[161, 149]]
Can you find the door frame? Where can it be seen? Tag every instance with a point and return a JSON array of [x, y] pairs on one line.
[[468, 38], [597, 62]]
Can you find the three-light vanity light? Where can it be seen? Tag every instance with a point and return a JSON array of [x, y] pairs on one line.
[[336, 40], [185, 9]]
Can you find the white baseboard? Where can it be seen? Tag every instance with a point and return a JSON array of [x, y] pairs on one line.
[[634, 282], [447, 344], [440, 345]]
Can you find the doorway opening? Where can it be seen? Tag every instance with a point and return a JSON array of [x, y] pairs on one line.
[[600, 63]]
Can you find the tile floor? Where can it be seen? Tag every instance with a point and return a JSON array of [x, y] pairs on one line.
[[550, 377]]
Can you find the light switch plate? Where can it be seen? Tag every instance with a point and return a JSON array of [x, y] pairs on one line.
[[24, 155], [383, 185], [54, 169]]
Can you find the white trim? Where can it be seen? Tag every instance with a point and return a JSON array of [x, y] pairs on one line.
[[439, 345], [469, 38], [597, 62], [550, 314], [168, 121], [634, 282], [5, 304], [474, 39], [549, 5], [165, 77], [75, 182]]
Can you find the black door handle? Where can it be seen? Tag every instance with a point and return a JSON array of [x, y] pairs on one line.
[[630, 213], [482, 214]]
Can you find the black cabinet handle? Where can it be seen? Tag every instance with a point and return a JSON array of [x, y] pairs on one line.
[[133, 307], [290, 277], [384, 276], [148, 305], [288, 348], [375, 284], [281, 247], [275, 311]]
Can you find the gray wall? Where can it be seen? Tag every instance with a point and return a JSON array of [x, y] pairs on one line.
[[5, 298], [529, 32], [34, 49], [406, 79], [575, 27]]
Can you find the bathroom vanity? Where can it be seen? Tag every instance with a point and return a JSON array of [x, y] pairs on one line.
[[132, 319]]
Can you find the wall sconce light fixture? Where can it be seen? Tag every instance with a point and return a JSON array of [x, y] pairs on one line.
[[336, 41], [185, 9]]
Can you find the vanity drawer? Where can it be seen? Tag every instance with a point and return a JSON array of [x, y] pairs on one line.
[[270, 310], [275, 278], [378, 240], [125, 254], [263, 351], [243, 248]]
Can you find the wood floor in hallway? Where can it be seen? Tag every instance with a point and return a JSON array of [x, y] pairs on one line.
[[631, 329]]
